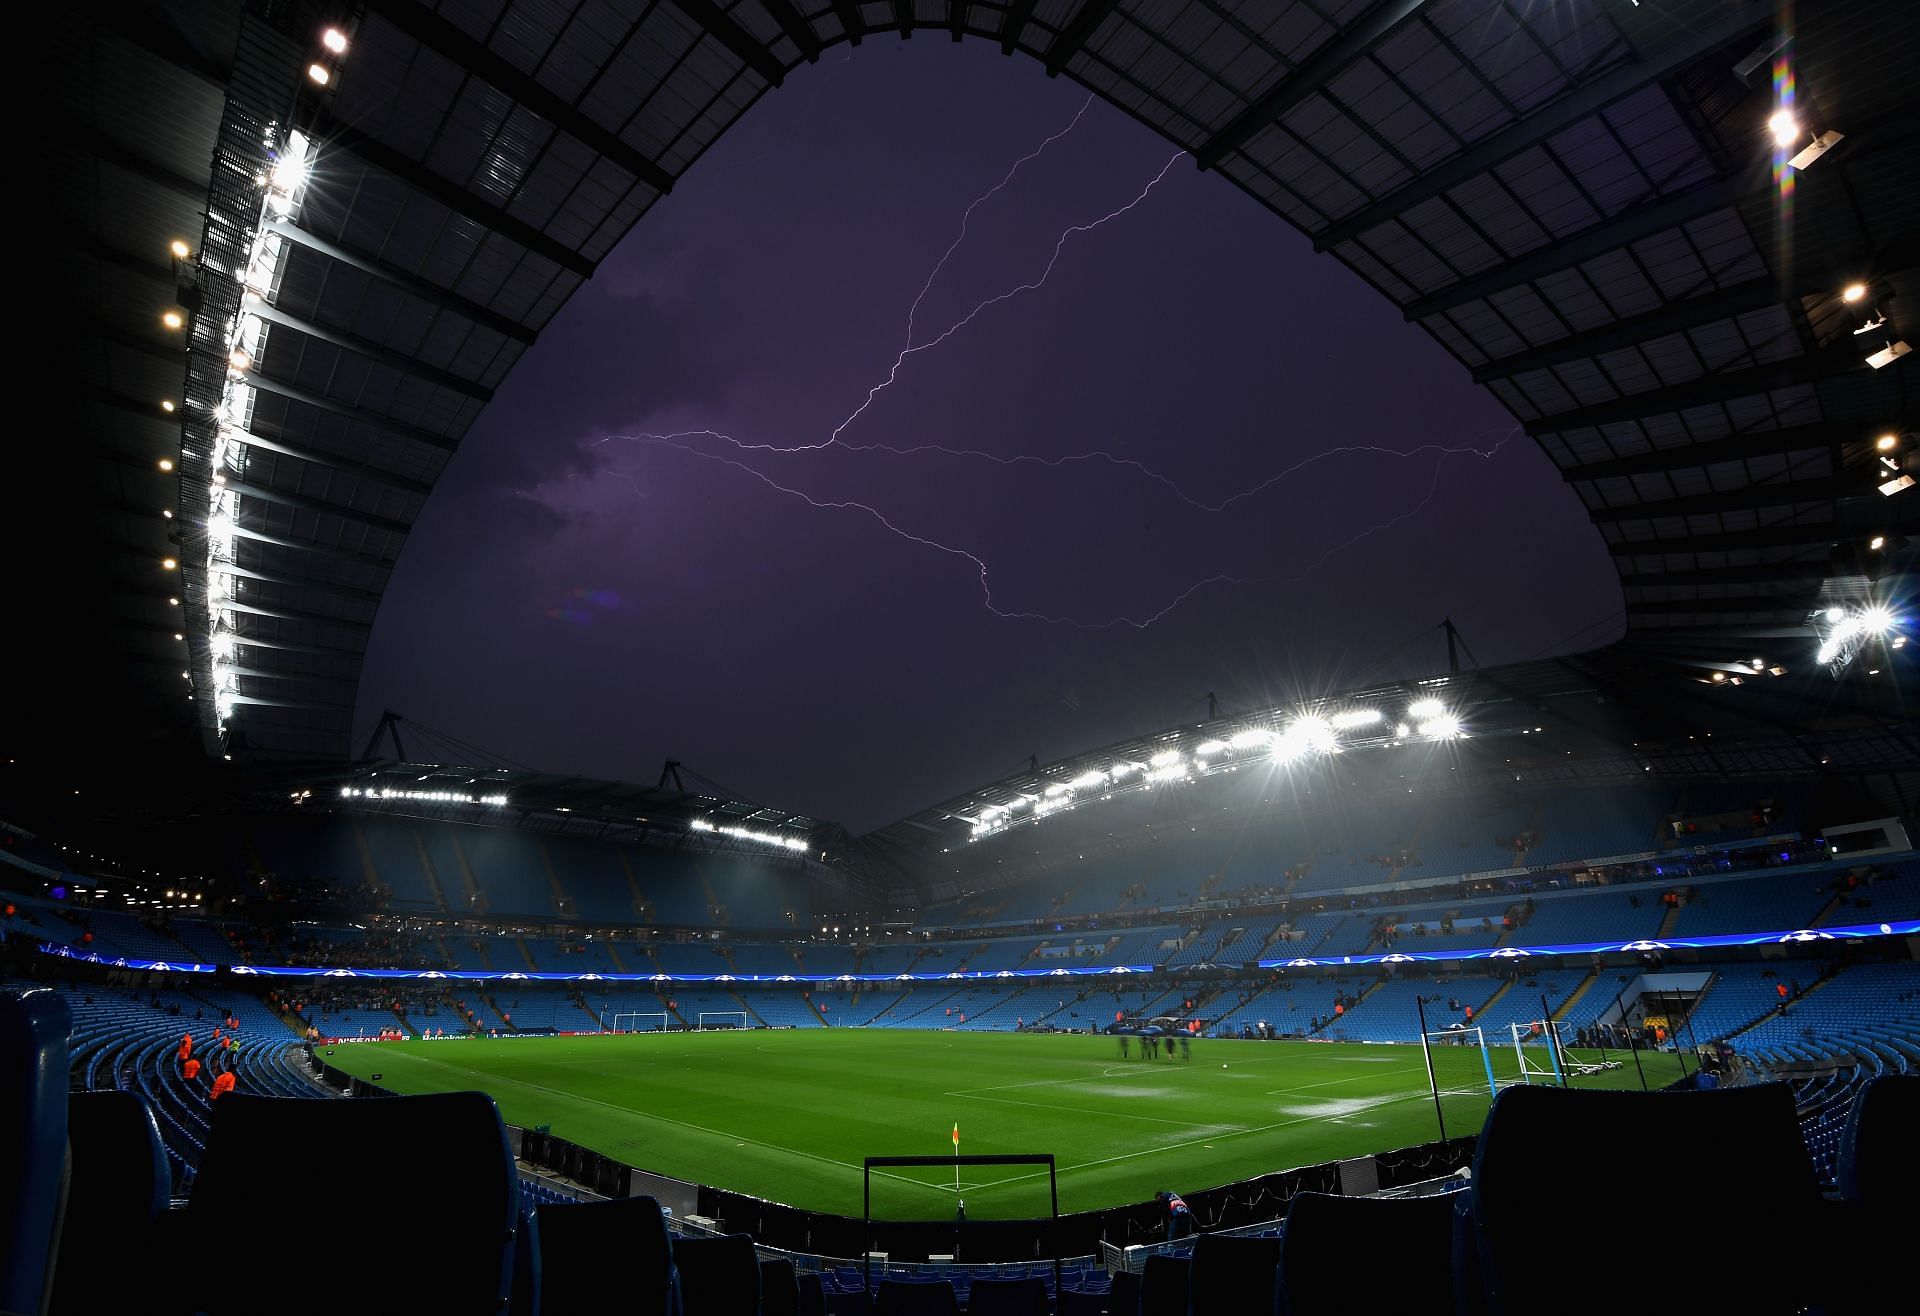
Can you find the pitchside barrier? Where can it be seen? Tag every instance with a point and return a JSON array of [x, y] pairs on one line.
[[963, 1230]]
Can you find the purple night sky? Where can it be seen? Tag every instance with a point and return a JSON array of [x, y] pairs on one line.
[[593, 604]]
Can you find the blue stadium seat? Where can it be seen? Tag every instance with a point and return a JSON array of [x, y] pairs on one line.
[[813, 1295], [1555, 1165], [779, 1289], [1163, 1286], [1123, 1299], [525, 1299], [116, 1192], [33, 1141], [1234, 1275], [587, 1248], [1880, 1149], [718, 1276], [1007, 1297], [904, 1297], [417, 1177], [1333, 1248]]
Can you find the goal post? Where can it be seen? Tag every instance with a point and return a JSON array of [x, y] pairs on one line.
[[711, 1020], [633, 1021], [1541, 1035]]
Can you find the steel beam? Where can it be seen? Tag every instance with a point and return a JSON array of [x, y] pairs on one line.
[[1779, 536], [1079, 30], [371, 351], [277, 613], [298, 582], [1673, 318], [334, 135], [1311, 76], [798, 30], [903, 18], [1610, 234], [476, 57], [1013, 25], [1542, 124], [318, 506], [850, 21], [717, 24], [1743, 603], [1732, 447], [1791, 574], [395, 277], [957, 14], [358, 415], [345, 556], [345, 465], [1707, 389], [1731, 500]]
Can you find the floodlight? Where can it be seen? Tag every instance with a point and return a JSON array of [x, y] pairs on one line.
[[165, 464], [1718, 677], [1853, 292], [166, 405], [173, 603], [1784, 127], [1834, 614], [1895, 485], [318, 74], [168, 563], [335, 40], [1210, 747], [1877, 543], [167, 512], [1164, 757], [172, 320], [1087, 779], [1356, 717], [179, 249], [1057, 789], [1314, 733], [239, 359], [1813, 150], [1250, 738], [1759, 665], [1444, 727], [1887, 355], [1425, 710], [1868, 326], [1887, 442]]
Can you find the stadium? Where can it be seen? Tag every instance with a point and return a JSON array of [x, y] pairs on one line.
[[1554, 982]]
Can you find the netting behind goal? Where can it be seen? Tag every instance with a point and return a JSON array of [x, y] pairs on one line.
[[1541, 1054], [712, 1019], [634, 1022]]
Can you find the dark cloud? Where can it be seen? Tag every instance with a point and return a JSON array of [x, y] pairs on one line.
[[584, 600]]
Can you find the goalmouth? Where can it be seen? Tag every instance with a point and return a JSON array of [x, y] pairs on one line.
[[713, 1020], [634, 1022]]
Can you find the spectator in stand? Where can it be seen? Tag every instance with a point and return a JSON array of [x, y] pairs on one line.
[[190, 1070], [223, 1083]]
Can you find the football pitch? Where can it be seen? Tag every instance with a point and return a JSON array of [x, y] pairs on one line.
[[789, 1115]]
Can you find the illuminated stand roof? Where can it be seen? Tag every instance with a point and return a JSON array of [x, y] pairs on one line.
[[1593, 204]]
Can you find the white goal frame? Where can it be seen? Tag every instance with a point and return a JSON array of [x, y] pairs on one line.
[[1559, 1058], [1471, 1035], [636, 1015], [700, 1024]]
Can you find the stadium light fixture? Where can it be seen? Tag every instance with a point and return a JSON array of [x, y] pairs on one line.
[[1785, 128], [1853, 630], [1853, 292], [1444, 727], [1164, 758], [166, 405], [1886, 443], [1887, 355], [172, 319], [319, 75], [169, 563], [1877, 543], [1896, 485], [1425, 710], [180, 249], [1088, 780], [1347, 719], [1252, 738], [334, 40], [1211, 747], [165, 463], [1816, 148]]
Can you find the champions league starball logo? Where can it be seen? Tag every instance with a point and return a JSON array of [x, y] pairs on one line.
[[1509, 953], [1806, 934], [1646, 945]]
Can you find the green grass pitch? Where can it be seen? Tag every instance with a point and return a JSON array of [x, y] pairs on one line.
[[789, 1115]]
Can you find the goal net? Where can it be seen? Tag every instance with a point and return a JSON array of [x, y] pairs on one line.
[[712, 1019], [1540, 1047], [634, 1022]]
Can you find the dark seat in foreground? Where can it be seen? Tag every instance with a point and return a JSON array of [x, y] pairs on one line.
[[1232, 1276], [33, 1141], [1725, 1170], [414, 1177], [1398, 1251], [718, 1276], [902, 1297], [1007, 1297], [589, 1249], [117, 1190]]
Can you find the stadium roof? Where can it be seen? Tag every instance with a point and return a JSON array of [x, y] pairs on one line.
[[1580, 200]]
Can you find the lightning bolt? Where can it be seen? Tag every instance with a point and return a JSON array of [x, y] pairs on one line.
[[982, 570]]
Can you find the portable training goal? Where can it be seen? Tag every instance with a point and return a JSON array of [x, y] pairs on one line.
[[710, 1020], [634, 1021], [1448, 1076], [1540, 1046]]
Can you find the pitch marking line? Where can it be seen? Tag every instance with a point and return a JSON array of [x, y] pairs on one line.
[[685, 1124]]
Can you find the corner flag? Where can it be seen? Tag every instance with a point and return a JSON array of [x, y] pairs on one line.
[[956, 1137]]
